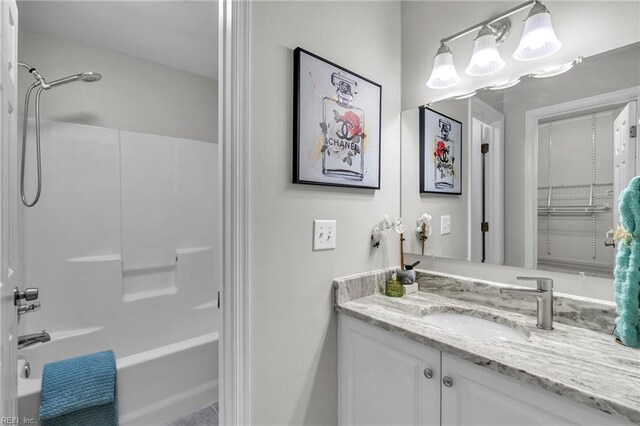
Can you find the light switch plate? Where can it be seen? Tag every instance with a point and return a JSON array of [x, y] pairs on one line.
[[445, 225], [324, 234]]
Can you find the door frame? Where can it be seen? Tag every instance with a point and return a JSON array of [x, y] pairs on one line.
[[9, 200], [234, 119], [494, 185], [532, 117]]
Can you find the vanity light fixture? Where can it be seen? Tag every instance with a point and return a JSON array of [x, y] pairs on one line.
[[443, 74], [557, 70], [538, 41], [486, 58], [538, 38], [505, 84]]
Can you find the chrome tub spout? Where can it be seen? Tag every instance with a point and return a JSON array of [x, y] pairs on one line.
[[32, 339]]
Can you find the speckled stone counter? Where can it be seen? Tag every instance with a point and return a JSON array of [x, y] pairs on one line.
[[577, 359]]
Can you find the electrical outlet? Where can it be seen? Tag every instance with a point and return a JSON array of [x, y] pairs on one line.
[[445, 225], [324, 234]]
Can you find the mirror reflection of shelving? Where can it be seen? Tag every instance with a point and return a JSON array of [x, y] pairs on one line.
[[575, 193]]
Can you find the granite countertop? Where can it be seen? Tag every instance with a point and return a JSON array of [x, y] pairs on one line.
[[577, 359]]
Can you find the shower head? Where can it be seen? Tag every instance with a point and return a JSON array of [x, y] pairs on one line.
[[87, 77], [90, 77], [42, 85]]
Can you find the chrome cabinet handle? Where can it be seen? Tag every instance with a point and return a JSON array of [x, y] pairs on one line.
[[428, 373], [447, 381]]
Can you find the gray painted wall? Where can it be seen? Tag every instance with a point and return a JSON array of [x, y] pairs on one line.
[[134, 94], [294, 328]]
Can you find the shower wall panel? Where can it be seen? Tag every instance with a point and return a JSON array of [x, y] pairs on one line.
[[123, 236]]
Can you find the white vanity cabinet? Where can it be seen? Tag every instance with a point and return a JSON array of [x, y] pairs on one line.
[[478, 396], [383, 382], [385, 379]]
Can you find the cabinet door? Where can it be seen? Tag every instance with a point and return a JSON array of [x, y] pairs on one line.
[[383, 378], [478, 396]]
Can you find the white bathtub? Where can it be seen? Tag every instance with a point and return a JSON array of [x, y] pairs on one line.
[[155, 387]]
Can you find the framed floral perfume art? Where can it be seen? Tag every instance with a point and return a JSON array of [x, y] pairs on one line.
[[336, 125], [440, 153]]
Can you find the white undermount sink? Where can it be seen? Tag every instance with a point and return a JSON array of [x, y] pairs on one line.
[[474, 327]]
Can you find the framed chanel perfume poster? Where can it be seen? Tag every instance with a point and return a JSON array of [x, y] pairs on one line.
[[440, 153], [336, 125]]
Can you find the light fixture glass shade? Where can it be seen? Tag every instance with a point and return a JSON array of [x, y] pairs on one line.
[[538, 38], [443, 74], [486, 58]]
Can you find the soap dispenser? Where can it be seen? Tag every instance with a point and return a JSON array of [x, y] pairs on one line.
[[394, 288]]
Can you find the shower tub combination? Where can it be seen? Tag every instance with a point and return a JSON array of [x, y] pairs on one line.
[[121, 246]]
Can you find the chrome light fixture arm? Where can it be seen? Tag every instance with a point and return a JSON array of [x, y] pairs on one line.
[[491, 23]]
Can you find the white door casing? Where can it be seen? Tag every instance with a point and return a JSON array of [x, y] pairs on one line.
[[624, 154], [8, 206], [234, 107]]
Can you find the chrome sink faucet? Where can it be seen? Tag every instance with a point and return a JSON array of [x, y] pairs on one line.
[[544, 296], [32, 339]]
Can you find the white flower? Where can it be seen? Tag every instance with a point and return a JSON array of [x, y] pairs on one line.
[[377, 235], [382, 229], [399, 226], [386, 223], [425, 220]]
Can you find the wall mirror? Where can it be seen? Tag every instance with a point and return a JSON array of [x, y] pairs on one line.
[[542, 164]]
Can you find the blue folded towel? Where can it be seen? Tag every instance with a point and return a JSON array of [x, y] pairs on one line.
[[80, 391]]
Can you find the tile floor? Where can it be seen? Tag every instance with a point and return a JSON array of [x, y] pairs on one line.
[[207, 416]]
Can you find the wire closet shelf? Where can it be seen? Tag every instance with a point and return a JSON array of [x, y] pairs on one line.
[[575, 200]]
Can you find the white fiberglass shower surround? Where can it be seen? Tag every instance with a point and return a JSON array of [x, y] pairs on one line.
[[121, 246], [123, 240]]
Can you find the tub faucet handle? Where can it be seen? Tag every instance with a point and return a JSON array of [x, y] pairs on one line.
[[29, 295], [29, 307]]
